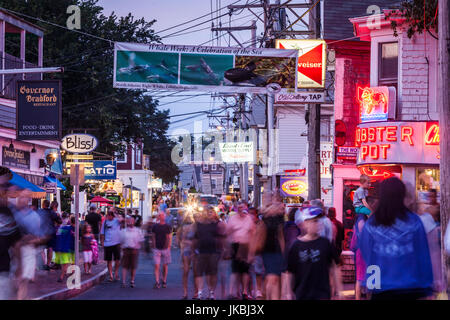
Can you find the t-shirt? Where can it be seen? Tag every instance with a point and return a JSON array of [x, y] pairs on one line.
[[111, 230], [65, 239], [131, 238], [28, 221], [310, 264], [206, 235], [93, 219], [360, 194], [239, 228], [273, 225], [86, 243], [48, 218], [161, 231]]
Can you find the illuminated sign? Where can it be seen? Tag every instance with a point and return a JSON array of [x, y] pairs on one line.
[[432, 133], [377, 103], [311, 61], [79, 143], [293, 186], [298, 172], [300, 97], [396, 142], [237, 152]]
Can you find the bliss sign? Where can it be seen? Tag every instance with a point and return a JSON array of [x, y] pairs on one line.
[[79, 143]]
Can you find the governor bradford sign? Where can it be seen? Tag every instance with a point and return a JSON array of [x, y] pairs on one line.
[[197, 68], [38, 108], [312, 59]]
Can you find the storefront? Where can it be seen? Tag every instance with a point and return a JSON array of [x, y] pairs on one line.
[[408, 150]]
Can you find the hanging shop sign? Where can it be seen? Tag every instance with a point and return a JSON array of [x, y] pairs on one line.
[[237, 152], [397, 142], [293, 186], [156, 184], [101, 170], [377, 103], [79, 143], [300, 97], [15, 158], [38, 110], [196, 68], [296, 172], [312, 60]]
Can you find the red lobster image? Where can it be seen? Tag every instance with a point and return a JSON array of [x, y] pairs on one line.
[[369, 100]]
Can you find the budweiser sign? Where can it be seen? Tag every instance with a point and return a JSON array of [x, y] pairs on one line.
[[311, 61]]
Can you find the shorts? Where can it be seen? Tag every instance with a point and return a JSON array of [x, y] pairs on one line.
[[163, 255], [64, 258], [273, 263], [362, 210], [51, 244], [87, 256], [237, 265], [112, 253], [187, 253], [206, 264], [130, 258], [28, 253], [258, 265]]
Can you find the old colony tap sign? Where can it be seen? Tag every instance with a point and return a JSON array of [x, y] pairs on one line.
[[398, 142]]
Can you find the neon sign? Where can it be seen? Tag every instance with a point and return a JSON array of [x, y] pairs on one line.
[[397, 142], [376, 173], [432, 134], [377, 103]]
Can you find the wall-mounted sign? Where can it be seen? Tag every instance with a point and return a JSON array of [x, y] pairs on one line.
[[346, 154], [79, 143], [293, 186], [432, 134], [326, 159], [156, 184], [377, 103], [80, 156], [15, 158], [395, 142], [300, 97], [312, 60], [195, 68], [381, 172], [101, 170], [38, 110], [237, 152], [297, 172]]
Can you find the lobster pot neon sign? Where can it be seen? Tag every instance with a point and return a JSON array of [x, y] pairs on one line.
[[376, 103]]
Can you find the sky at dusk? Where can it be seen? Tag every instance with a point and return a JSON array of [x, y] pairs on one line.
[[169, 13]]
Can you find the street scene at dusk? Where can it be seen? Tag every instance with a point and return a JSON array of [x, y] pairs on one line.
[[235, 151]]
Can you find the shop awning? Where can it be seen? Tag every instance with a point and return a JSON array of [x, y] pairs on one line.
[[50, 179], [22, 183], [100, 200]]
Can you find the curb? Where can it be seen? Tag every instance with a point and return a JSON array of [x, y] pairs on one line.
[[65, 294]]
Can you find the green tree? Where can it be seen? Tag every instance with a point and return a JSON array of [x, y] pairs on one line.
[[89, 100], [420, 16]]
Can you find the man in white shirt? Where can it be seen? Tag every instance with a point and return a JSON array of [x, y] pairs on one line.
[[240, 229], [130, 241]]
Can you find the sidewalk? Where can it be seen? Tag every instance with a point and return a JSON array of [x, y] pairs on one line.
[[46, 286]]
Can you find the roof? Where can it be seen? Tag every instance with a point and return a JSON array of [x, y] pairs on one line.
[[337, 12], [21, 23]]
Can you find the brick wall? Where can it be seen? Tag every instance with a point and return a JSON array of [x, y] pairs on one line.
[[417, 77]]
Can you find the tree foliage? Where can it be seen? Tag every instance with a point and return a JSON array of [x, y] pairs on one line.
[[89, 100], [420, 16]]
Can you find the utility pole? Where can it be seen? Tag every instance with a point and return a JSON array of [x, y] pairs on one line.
[[244, 166], [444, 123], [314, 131]]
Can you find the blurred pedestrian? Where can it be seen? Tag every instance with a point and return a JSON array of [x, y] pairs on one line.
[[312, 259], [338, 229], [48, 219], [206, 257], [162, 240], [110, 241], [394, 240], [240, 229], [185, 237], [94, 219], [130, 241], [65, 246]]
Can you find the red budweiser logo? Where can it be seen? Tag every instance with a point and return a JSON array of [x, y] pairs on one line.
[[310, 64]]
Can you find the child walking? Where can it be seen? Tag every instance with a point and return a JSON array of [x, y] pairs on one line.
[[86, 245], [65, 247]]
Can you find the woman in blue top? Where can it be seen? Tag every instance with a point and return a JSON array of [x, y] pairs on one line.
[[394, 246]]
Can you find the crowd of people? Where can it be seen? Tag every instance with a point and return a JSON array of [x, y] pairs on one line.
[[238, 251]]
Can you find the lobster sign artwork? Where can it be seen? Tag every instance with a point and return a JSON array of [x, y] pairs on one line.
[[376, 103]]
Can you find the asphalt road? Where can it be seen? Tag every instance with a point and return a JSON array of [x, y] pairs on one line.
[[144, 283]]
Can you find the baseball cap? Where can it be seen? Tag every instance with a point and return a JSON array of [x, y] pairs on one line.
[[93, 206], [307, 213]]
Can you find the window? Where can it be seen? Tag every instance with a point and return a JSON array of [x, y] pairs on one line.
[[121, 157], [213, 184], [205, 167], [388, 64], [214, 167], [325, 128], [138, 154]]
